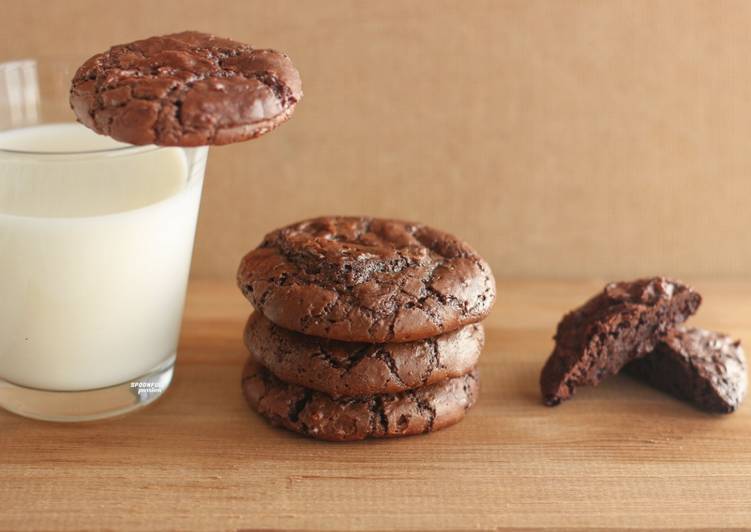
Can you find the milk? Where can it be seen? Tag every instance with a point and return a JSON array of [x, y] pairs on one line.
[[95, 251]]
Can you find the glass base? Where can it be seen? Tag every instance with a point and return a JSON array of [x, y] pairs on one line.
[[88, 405]]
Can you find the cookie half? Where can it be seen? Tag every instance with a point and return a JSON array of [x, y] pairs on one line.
[[185, 89], [319, 416], [349, 369], [367, 280], [622, 323], [705, 368]]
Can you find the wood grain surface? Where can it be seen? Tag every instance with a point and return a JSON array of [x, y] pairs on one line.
[[618, 456]]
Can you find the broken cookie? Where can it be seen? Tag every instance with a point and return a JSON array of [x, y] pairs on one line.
[[622, 323], [702, 367]]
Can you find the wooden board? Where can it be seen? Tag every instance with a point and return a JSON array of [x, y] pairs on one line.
[[618, 456]]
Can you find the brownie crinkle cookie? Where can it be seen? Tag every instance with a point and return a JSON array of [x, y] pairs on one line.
[[185, 89], [705, 368], [362, 279], [357, 369], [622, 323], [319, 416]]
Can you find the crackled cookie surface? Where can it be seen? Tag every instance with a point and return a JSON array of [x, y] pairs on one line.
[[620, 324], [317, 415], [357, 369], [366, 280], [185, 89], [703, 367]]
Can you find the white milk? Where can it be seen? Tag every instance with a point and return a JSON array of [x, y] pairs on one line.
[[94, 256]]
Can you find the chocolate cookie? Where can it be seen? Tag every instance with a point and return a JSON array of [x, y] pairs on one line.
[[619, 325], [347, 369], [185, 89], [703, 367], [367, 280], [317, 415]]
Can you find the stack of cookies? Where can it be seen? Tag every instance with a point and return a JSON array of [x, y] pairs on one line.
[[363, 327], [637, 326]]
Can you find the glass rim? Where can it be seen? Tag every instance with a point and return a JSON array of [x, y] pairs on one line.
[[73, 154]]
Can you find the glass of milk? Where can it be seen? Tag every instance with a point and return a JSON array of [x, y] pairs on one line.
[[96, 239]]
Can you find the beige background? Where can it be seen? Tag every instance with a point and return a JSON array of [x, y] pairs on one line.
[[560, 138]]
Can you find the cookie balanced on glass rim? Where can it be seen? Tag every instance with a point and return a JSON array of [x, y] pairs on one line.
[[185, 89], [362, 279]]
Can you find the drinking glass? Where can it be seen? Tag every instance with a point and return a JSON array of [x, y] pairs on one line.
[[96, 239]]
